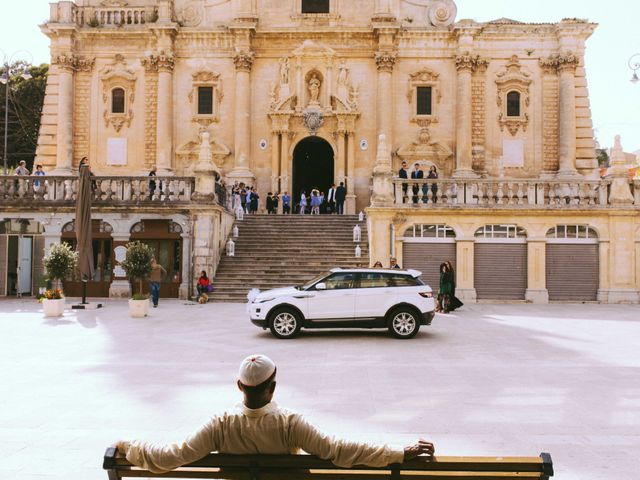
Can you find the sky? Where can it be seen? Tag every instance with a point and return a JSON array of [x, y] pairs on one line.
[[615, 101]]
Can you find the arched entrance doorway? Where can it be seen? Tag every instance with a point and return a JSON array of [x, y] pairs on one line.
[[312, 167]]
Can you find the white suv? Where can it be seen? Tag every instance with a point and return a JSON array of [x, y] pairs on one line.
[[347, 298]]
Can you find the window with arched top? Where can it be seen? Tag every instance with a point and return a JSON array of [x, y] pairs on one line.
[[117, 100], [572, 232], [513, 104], [501, 231], [429, 231]]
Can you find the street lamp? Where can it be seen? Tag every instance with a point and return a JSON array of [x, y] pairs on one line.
[[5, 79], [634, 64]]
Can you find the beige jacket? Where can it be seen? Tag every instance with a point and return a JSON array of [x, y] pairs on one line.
[[156, 273], [268, 430]]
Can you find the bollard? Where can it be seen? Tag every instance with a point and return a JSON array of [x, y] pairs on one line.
[[231, 248]]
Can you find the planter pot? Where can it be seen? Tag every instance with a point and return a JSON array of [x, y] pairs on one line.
[[138, 308], [53, 308]]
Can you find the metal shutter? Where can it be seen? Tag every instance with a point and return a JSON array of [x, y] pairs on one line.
[[38, 267], [427, 258], [3, 265], [573, 271], [500, 271]]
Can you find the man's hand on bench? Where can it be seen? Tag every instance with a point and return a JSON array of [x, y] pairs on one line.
[[422, 447]]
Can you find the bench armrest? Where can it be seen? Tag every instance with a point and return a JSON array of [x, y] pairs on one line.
[[109, 460]]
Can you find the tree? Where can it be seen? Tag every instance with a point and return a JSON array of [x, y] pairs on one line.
[[26, 97], [137, 262]]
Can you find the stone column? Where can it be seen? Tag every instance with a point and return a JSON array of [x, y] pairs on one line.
[[275, 161], [242, 126], [465, 287], [187, 275], [64, 150], [164, 124], [350, 204], [284, 162], [567, 116], [465, 64], [341, 156], [536, 271], [385, 60]]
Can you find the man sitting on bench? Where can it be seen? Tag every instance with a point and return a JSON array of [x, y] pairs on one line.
[[259, 426]]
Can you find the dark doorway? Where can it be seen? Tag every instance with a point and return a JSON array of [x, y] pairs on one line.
[[312, 167]]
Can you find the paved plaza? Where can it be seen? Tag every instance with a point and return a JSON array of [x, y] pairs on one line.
[[488, 380]]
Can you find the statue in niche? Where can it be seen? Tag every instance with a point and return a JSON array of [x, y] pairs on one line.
[[343, 82], [314, 90]]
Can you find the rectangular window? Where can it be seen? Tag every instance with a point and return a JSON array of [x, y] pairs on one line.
[[375, 280], [205, 100], [424, 101], [315, 6]]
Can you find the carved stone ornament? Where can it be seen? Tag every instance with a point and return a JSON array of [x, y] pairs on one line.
[[567, 61], [189, 154], [191, 14], [424, 78], [73, 63], [313, 120], [468, 61], [115, 76], [424, 151], [442, 13], [385, 61], [114, 3], [513, 79], [162, 62], [243, 60]]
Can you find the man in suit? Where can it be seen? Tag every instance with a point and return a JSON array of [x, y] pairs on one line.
[[403, 173], [417, 173], [331, 199], [341, 195]]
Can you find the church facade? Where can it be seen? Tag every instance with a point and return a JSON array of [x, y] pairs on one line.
[[290, 95]]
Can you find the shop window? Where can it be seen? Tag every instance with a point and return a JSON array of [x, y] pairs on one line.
[[501, 231], [430, 231], [315, 6]]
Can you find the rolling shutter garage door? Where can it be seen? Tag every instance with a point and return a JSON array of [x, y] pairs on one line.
[[573, 271], [500, 271], [3, 264], [427, 257]]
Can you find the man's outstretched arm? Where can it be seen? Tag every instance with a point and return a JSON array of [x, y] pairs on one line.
[[347, 454]]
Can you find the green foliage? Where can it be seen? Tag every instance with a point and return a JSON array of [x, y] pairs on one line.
[[26, 97], [603, 158], [61, 261], [140, 296], [137, 263]]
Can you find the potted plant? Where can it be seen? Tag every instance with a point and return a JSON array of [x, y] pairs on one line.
[[59, 264], [137, 265]]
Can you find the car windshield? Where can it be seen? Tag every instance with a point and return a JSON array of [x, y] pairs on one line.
[[313, 281]]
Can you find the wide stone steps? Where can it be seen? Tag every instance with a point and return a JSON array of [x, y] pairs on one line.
[[279, 251]]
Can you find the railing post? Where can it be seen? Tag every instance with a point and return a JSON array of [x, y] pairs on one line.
[[604, 193], [397, 192]]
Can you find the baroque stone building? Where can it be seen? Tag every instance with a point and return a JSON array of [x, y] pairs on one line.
[[289, 95]]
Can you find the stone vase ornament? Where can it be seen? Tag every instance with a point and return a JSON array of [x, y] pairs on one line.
[[53, 308], [138, 308]]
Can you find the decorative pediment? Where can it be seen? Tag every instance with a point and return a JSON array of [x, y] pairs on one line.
[[118, 80], [423, 150], [309, 48], [189, 154], [114, 3], [513, 97]]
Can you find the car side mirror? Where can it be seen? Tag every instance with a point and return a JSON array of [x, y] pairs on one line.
[[321, 286]]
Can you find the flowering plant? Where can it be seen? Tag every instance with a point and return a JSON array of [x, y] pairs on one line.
[[54, 294], [61, 262]]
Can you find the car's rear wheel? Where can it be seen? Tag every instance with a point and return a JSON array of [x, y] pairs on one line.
[[404, 323], [285, 323]]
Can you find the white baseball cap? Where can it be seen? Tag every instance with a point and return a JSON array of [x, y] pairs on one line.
[[256, 369]]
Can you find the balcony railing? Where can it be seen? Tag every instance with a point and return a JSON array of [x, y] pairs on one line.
[[67, 12], [505, 193], [16, 190]]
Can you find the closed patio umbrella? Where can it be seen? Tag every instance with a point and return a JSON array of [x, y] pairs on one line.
[[84, 245]]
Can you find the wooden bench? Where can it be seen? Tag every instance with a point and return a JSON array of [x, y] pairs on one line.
[[307, 467]]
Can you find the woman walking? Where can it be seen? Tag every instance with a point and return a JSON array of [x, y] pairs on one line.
[[315, 202], [446, 287], [303, 203], [454, 302]]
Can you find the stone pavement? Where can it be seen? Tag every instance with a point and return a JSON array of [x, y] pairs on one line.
[[488, 380]]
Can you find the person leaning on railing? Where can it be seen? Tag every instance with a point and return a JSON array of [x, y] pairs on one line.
[[259, 426]]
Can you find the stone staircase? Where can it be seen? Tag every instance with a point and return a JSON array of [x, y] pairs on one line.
[[275, 251]]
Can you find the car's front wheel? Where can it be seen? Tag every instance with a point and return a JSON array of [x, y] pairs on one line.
[[285, 323], [403, 323]]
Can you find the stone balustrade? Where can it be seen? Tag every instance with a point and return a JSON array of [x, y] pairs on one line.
[[67, 12], [505, 193], [109, 190]]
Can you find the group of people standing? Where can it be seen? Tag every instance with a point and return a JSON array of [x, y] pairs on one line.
[[416, 174], [245, 196], [317, 202]]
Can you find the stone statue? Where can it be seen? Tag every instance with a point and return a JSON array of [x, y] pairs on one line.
[[284, 71], [343, 75], [314, 90]]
